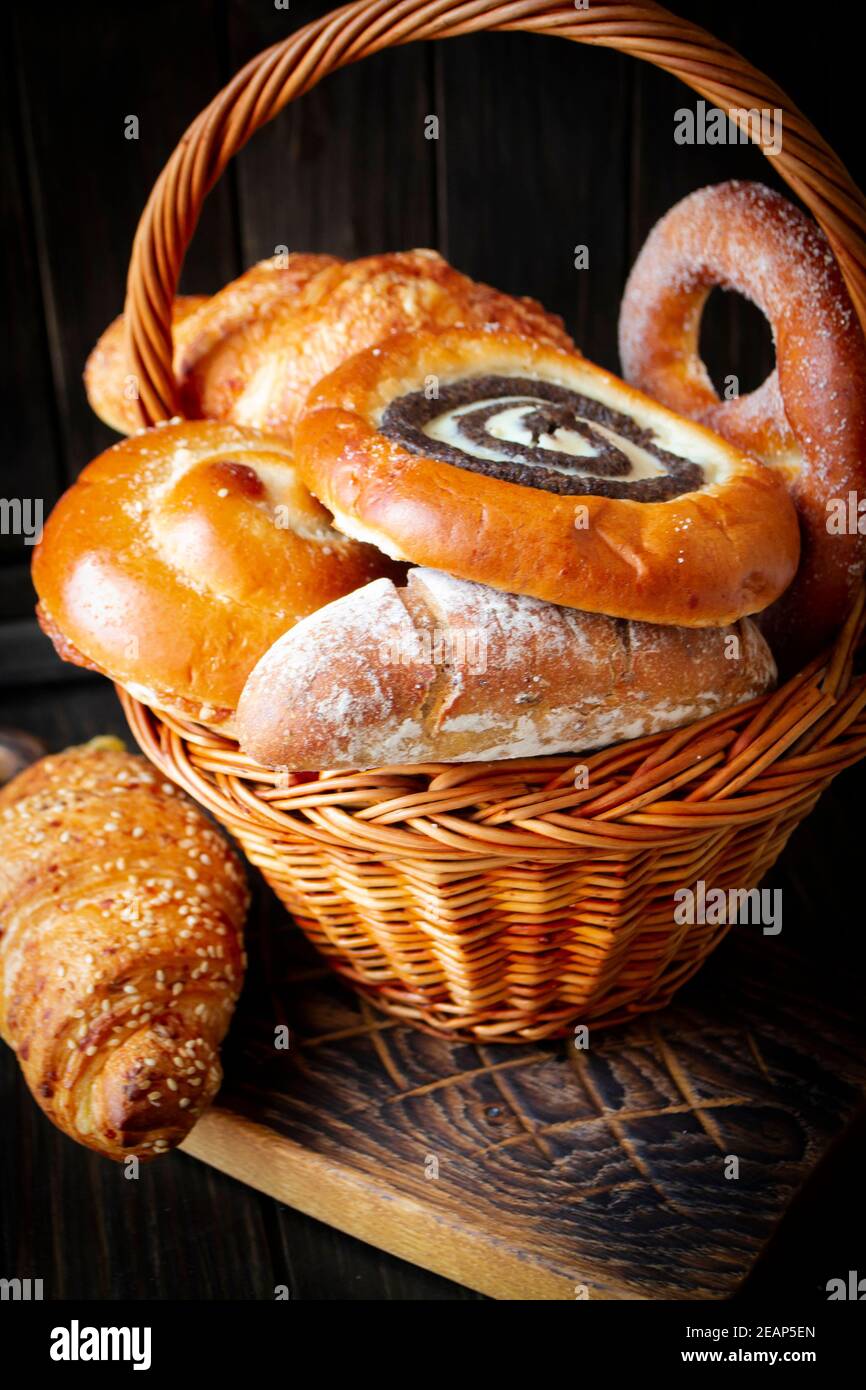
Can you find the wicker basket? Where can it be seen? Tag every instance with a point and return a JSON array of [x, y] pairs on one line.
[[503, 900]]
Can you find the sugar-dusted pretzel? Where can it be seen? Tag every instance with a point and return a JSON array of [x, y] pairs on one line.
[[808, 418]]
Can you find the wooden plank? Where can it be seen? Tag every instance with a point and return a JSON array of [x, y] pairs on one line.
[[735, 337], [346, 169], [17, 595], [535, 135], [31, 452], [556, 1169], [77, 95], [28, 658]]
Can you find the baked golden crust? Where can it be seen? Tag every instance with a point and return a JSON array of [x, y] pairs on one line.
[[703, 558], [808, 419], [200, 326], [181, 554], [121, 949], [108, 376], [251, 353], [444, 670]]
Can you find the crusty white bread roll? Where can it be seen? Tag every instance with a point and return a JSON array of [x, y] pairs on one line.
[[452, 671]]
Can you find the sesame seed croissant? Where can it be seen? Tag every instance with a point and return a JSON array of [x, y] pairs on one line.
[[121, 951]]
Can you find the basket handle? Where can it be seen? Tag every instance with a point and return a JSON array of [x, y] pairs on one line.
[[279, 74]]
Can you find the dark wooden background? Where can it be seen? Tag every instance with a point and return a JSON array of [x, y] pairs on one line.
[[543, 146]]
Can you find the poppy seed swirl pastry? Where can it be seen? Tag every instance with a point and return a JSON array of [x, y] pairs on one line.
[[524, 467], [180, 555]]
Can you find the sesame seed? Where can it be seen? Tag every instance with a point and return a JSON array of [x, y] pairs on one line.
[[183, 1102]]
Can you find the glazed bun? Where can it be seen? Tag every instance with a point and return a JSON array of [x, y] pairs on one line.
[[180, 555], [525, 467]]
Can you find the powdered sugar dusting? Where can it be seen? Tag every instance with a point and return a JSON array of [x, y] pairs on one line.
[[745, 237]]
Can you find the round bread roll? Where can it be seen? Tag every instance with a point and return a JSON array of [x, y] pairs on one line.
[[251, 354], [444, 670], [808, 419], [199, 326], [527, 468], [180, 555]]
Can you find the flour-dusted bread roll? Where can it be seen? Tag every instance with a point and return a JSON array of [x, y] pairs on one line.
[[445, 670], [121, 949]]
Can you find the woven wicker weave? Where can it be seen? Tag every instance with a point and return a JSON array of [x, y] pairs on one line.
[[501, 900]]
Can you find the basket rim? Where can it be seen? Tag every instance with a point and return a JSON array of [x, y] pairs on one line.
[[278, 74], [742, 766], [767, 759]]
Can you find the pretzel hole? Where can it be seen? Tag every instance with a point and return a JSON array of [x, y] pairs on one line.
[[735, 341]]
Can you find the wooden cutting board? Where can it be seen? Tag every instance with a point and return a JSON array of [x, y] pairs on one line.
[[540, 1171]]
